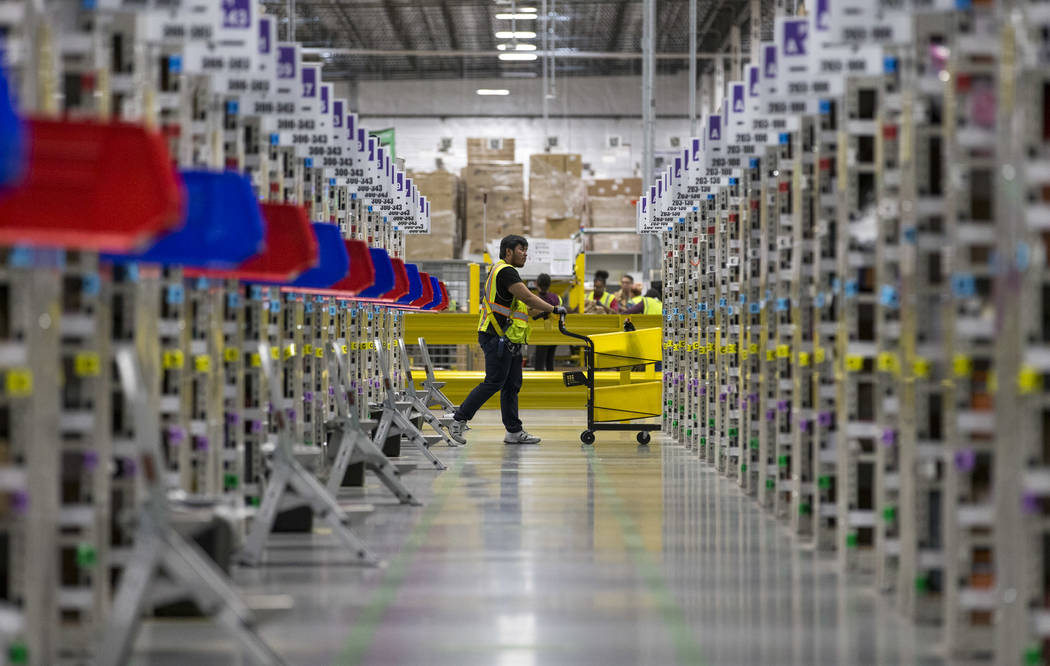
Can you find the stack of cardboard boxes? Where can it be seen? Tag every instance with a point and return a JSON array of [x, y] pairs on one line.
[[611, 204], [557, 195], [442, 189], [494, 192]]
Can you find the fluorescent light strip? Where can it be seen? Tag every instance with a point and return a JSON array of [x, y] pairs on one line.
[[506, 34], [491, 92], [527, 10], [518, 56], [516, 17], [516, 47]]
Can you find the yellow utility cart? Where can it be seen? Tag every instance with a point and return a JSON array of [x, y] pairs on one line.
[[616, 407]]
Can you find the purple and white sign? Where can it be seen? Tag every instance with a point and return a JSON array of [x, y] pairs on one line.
[[265, 25], [696, 151], [325, 92], [752, 81], [738, 98], [769, 61], [823, 15], [796, 35], [677, 167], [714, 127], [236, 14], [309, 82], [286, 62], [400, 181], [337, 113]]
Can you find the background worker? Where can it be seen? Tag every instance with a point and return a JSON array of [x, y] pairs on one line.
[[600, 301], [626, 298], [503, 333], [649, 304], [544, 356]]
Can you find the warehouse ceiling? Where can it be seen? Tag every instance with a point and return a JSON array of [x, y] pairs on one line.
[[426, 39]]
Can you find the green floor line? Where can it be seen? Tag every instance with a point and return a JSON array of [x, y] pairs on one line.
[[686, 647], [363, 633]]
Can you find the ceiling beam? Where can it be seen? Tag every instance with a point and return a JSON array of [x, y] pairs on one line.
[[453, 38], [569, 55], [402, 35]]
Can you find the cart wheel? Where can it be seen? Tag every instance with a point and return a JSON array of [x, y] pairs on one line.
[[587, 437], [643, 437]]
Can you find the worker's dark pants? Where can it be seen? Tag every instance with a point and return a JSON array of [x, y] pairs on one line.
[[545, 357], [503, 374]]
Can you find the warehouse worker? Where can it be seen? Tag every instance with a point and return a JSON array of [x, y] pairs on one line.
[[503, 333], [649, 304], [544, 358], [600, 300], [627, 297]]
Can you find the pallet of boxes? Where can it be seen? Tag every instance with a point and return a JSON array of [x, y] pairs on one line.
[[441, 188], [494, 196], [557, 196], [611, 205]]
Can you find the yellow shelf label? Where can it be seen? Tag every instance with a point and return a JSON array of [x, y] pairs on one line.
[[753, 349], [731, 349], [803, 359], [819, 355], [256, 360], [231, 354], [783, 351], [275, 353], [962, 365], [353, 345], [920, 367], [308, 349], [319, 352], [202, 363], [289, 351], [18, 382], [173, 359], [854, 363], [771, 355], [744, 354], [87, 364], [344, 349], [888, 362]]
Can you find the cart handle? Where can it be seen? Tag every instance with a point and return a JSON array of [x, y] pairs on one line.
[[564, 331]]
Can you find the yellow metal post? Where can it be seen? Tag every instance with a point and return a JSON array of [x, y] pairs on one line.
[[475, 288]]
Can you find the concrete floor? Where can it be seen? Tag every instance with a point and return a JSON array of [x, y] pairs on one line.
[[554, 554]]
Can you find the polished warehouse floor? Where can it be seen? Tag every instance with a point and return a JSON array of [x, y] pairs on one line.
[[556, 554]]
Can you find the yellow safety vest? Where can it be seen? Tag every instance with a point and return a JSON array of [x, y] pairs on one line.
[[518, 312], [653, 306], [605, 300]]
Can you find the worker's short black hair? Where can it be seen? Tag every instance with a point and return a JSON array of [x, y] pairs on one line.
[[652, 293], [543, 281], [601, 275], [511, 242], [625, 275]]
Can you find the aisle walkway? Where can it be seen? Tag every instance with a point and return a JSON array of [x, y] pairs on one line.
[[557, 555]]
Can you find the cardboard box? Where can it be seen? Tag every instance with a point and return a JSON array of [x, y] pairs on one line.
[[612, 187], [486, 150], [442, 190], [561, 227], [611, 212], [556, 190], [615, 243], [494, 202]]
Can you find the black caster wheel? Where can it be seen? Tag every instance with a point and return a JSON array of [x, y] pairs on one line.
[[587, 437], [643, 437]]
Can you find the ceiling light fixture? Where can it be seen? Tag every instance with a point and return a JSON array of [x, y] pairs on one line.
[[516, 47], [506, 34], [527, 10], [518, 17], [491, 92], [518, 56]]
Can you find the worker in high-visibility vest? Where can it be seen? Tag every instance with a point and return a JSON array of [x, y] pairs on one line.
[[601, 301], [649, 304], [503, 333], [627, 297]]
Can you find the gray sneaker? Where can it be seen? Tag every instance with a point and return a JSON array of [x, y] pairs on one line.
[[456, 430], [520, 437]]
